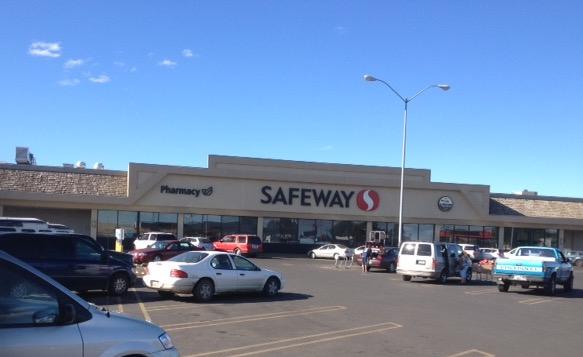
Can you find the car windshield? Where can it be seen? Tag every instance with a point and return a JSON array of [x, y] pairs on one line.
[[159, 245], [165, 237], [204, 240], [536, 252], [189, 257]]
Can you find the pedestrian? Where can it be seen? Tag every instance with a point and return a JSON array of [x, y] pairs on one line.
[[366, 253], [465, 263]]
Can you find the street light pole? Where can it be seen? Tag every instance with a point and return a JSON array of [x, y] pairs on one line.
[[368, 77]]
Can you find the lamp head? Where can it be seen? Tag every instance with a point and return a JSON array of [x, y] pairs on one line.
[[368, 77], [443, 86]]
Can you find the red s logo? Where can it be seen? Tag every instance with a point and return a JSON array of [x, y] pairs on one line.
[[367, 200]]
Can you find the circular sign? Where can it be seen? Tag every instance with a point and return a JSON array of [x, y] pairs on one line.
[[367, 200], [445, 203]]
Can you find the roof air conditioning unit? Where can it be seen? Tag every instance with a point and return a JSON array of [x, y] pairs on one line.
[[80, 165], [98, 166], [24, 156], [69, 166]]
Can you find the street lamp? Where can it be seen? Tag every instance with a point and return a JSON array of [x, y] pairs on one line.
[[369, 78]]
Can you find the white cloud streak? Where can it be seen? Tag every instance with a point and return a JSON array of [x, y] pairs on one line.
[[45, 49], [167, 63], [72, 63], [100, 79], [187, 53], [69, 82]]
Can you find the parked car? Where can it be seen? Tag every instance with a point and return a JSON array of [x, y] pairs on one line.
[[576, 257], [359, 250], [40, 317], [161, 250], [328, 251], [240, 244], [489, 253], [429, 260], [538, 266], [147, 239], [206, 273], [473, 250], [200, 242], [75, 261], [386, 260]]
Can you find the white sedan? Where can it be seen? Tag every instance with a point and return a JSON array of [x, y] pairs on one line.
[[207, 273], [328, 251], [200, 242]]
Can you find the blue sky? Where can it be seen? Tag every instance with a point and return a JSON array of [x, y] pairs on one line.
[[170, 82]]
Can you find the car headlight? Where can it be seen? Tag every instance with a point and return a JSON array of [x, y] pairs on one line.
[[166, 341]]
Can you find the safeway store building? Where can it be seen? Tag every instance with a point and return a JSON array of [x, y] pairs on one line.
[[290, 205]]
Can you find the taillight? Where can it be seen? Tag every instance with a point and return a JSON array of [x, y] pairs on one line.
[[175, 273], [433, 264], [397, 261]]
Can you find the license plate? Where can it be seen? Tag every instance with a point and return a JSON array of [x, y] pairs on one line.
[[520, 277], [154, 283], [421, 262]]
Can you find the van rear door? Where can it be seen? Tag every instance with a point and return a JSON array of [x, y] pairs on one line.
[[424, 257]]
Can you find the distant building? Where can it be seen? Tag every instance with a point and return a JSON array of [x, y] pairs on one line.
[[291, 205]]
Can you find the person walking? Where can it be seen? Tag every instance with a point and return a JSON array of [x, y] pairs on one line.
[[465, 263], [366, 253]]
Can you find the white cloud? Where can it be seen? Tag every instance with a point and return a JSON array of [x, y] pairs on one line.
[[133, 69], [326, 148], [68, 82], [119, 64], [187, 53], [72, 63], [167, 63], [100, 79], [45, 49], [341, 30]]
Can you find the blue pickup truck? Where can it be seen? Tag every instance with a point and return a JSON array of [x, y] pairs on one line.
[[534, 266]]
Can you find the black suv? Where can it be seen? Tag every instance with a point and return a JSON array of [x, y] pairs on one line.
[[76, 261]]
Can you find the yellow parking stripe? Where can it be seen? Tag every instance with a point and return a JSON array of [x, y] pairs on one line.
[[376, 328], [248, 318], [142, 307]]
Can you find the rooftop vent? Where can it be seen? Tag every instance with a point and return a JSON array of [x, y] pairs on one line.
[[69, 166], [526, 192], [24, 156], [80, 165], [98, 166]]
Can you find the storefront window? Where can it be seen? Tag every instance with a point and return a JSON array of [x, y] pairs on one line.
[[324, 231], [193, 225], [248, 225], [307, 231], [461, 235], [106, 224], [551, 237], [426, 232], [410, 232], [489, 238], [129, 222], [271, 230], [351, 233], [446, 233], [533, 237], [229, 225], [288, 230], [213, 227]]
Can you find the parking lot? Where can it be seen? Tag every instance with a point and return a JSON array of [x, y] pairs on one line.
[[325, 310]]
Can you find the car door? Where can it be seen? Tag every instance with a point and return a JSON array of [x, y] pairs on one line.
[[170, 250], [327, 251], [223, 273], [28, 317], [89, 266], [249, 276]]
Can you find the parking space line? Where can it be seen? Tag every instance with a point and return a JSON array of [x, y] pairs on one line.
[[119, 305], [248, 318], [141, 305], [370, 329], [534, 301], [481, 292], [472, 353], [150, 309]]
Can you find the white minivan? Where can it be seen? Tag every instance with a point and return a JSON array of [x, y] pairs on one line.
[[429, 260], [40, 317]]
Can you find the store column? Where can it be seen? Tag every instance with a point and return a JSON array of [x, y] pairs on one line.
[[260, 227], [180, 228], [501, 238], [93, 224]]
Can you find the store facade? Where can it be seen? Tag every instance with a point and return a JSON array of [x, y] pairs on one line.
[[291, 205]]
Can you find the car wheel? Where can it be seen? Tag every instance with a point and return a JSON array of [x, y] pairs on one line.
[[335, 256], [165, 294], [551, 286], [312, 255], [118, 285], [204, 290], [271, 287], [157, 258], [469, 276], [443, 277], [392, 268], [503, 288], [407, 277], [568, 286]]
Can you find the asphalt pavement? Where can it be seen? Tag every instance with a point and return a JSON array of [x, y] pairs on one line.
[[324, 310]]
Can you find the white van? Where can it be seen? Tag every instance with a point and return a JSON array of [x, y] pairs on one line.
[[23, 225], [429, 260]]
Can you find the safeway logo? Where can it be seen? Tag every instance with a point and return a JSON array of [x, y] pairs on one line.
[[367, 200]]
